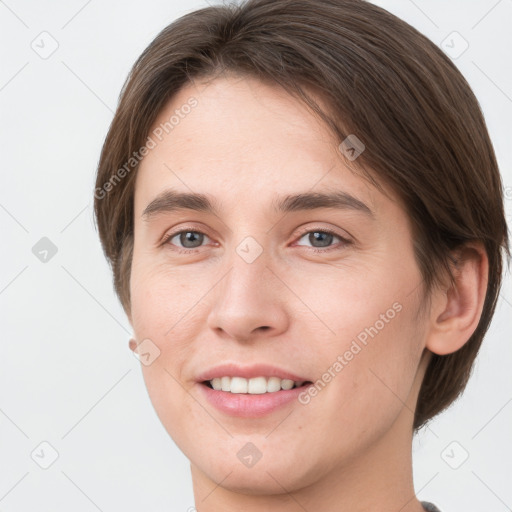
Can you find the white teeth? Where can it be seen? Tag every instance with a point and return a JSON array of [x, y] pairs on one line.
[[254, 386], [239, 385], [273, 384], [257, 386], [287, 384], [225, 383]]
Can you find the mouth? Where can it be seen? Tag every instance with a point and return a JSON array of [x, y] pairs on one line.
[[251, 391], [254, 397]]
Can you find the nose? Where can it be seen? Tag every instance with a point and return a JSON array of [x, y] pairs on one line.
[[249, 302]]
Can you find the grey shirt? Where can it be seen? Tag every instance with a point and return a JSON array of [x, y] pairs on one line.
[[429, 507]]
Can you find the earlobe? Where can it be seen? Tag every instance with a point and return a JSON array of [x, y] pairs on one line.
[[458, 308], [132, 344]]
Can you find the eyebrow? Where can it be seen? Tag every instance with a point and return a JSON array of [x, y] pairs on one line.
[[171, 201]]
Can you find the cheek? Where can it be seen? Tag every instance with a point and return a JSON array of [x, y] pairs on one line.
[[374, 365], [162, 299], [366, 361]]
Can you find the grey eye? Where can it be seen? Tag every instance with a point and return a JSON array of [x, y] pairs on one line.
[[320, 238], [189, 239]]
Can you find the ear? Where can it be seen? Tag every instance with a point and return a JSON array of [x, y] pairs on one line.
[[456, 308], [132, 344]]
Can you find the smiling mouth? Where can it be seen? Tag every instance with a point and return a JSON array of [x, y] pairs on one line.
[[253, 386]]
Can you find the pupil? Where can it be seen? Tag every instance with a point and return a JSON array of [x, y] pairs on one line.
[[194, 236], [321, 234]]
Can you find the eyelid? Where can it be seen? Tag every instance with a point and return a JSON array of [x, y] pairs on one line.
[[347, 238], [331, 231]]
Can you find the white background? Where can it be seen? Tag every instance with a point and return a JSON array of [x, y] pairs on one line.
[[67, 376]]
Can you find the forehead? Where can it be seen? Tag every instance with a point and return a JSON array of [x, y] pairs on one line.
[[242, 138]]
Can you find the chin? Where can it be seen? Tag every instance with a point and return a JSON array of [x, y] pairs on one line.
[[270, 477], [255, 482]]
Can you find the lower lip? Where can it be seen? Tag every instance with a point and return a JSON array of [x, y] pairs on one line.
[[245, 405]]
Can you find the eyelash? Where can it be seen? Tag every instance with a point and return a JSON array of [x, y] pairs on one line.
[[343, 240]]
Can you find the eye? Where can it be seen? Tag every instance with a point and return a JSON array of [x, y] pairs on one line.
[[322, 239], [189, 240]]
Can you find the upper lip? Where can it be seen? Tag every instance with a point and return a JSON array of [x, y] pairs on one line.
[[249, 371]]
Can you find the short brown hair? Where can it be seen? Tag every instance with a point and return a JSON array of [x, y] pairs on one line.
[[424, 132]]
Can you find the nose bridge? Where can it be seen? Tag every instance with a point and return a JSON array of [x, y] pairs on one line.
[[247, 260], [246, 282], [247, 297]]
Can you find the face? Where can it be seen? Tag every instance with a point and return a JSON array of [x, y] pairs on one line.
[[322, 292]]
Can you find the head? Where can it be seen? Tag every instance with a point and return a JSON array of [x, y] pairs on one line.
[[381, 143]]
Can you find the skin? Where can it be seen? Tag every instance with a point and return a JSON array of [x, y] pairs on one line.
[[244, 143]]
